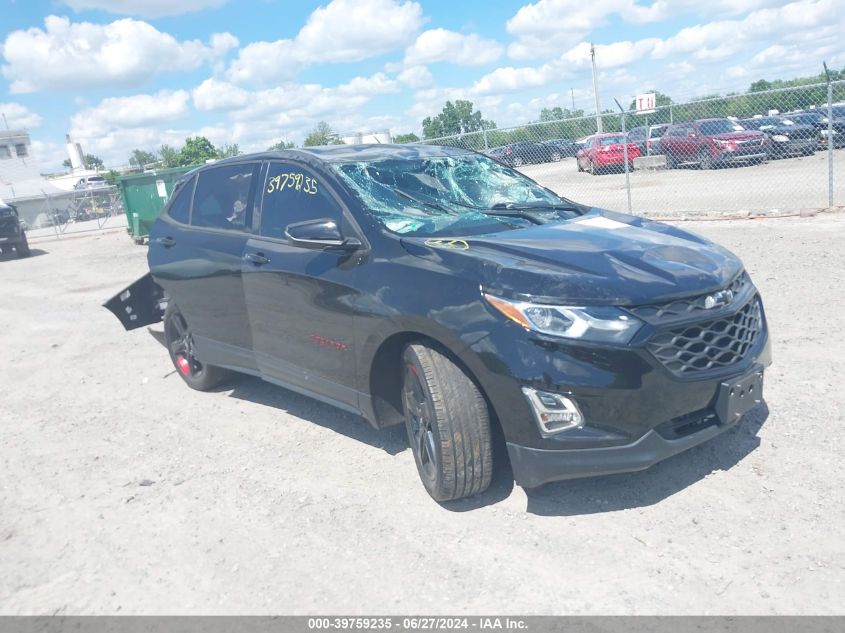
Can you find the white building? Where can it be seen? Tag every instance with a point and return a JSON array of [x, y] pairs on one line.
[[21, 183]]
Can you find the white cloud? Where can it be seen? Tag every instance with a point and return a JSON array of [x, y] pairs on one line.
[[341, 31], [49, 155], [144, 8], [117, 113], [17, 116], [548, 27], [441, 45], [213, 94], [66, 55], [805, 30], [416, 77]]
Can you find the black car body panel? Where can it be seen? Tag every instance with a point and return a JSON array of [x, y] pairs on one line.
[[332, 323]]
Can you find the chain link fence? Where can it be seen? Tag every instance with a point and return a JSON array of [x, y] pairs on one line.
[[774, 152], [76, 211]]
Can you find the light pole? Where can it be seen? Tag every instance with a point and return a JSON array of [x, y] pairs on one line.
[[599, 128]]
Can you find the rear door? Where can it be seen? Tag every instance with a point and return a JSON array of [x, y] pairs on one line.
[[198, 261], [301, 301]]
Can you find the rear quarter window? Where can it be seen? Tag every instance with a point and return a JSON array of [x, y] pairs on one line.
[[180, 207]]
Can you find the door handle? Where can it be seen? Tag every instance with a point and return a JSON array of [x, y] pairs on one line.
[[257, 259], [167, 241]]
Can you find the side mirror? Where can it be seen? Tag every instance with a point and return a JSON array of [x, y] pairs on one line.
[[322, 234]]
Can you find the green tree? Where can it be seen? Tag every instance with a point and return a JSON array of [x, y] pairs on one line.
[[455, 118], [322, 134], [92, 162], [169, 156], [139, 158], [111, 176], [197, 150], [410, 137], [227, 151], [281, 145]]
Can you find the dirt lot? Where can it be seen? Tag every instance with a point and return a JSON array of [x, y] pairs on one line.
[[125, 492]]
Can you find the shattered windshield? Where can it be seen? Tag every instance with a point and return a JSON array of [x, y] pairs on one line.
[[451, 195]]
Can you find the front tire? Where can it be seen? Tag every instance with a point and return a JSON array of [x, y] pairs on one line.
[[705, 159], [180, 345], [448, 425]]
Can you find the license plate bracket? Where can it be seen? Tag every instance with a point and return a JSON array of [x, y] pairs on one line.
[[737, 397]]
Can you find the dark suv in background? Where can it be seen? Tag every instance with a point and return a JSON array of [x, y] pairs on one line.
[[712, 143], [818, 119], [12, 233], [786, 137], [525, 153], [434, 287]]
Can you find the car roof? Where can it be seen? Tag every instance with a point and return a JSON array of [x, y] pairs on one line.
[[351, 153]]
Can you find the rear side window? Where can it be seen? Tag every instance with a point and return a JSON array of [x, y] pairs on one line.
[[293, 194], [223, 197], [180, 208]]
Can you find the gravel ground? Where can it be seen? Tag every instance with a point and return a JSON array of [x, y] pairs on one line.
[[123, 491]]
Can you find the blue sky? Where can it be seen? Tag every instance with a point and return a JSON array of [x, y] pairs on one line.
[[125, 74]]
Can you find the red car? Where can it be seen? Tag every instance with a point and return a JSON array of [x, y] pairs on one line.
[[605, 150], [711, 143]]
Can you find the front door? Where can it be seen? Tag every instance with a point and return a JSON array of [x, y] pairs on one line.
[[301, 300]]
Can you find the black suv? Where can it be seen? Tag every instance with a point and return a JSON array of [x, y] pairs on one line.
[[434, 287], [12, 234]]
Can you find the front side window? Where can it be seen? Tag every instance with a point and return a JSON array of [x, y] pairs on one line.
[[450, 195], [223, 196], [180, 208], [293, 194]]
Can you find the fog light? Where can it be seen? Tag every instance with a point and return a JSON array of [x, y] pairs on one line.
[[553, 412]]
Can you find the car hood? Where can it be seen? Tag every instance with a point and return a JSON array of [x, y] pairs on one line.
[[598, 258], [737, 136], [787, 129]]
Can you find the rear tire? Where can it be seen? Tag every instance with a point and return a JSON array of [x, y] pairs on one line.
[[22, 249], [556, 156], [705, 159], [593, 171], [448, 425], [180, 345], [517, 161]]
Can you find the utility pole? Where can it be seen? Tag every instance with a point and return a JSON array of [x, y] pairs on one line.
[[599, 128], [572, 94]]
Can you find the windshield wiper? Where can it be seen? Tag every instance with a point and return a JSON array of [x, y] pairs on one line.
[[425, 203]]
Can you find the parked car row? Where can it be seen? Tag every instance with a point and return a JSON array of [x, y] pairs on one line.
[[530, 152], [708, 143]]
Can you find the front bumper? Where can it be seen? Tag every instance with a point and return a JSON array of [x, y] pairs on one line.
[[737, 157], [534, 467], [636, 411]]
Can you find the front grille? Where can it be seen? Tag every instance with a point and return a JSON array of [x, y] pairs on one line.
[[709, 345], [682, 308]]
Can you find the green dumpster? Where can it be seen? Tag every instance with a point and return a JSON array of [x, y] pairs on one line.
[[144, 196]]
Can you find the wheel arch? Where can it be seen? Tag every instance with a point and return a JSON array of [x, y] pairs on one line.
[[385, 379]]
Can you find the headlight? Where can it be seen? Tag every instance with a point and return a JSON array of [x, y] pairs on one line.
[[780, 138], [598, 324]]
